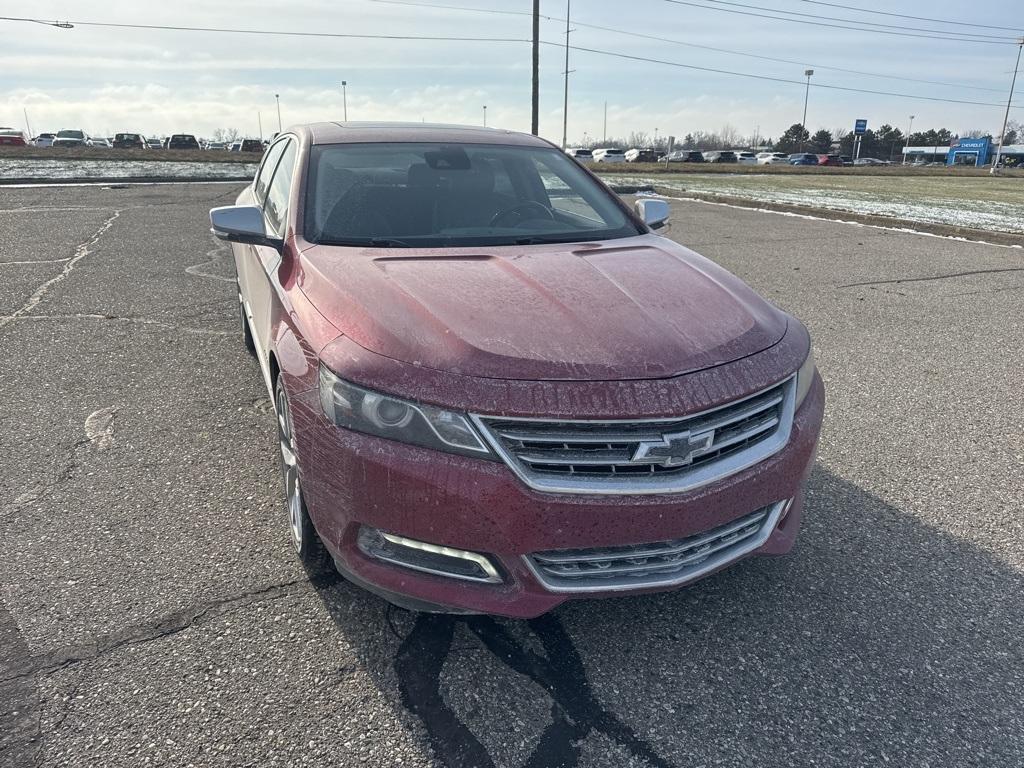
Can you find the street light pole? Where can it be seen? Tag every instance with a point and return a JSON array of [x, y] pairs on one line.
[[277, 98], [259, 120], [344, 98], [1009, 101], [910, 127], [604, 136], [807, 93], [485, 115], [535, 96], [565, 101]]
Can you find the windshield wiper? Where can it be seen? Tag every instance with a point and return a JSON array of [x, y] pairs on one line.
[[540, 240], [388, 242]]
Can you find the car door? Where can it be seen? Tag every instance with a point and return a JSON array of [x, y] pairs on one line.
[[247, 264], [263, 281]]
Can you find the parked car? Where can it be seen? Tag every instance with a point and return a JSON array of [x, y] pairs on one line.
[[251, 145], [609, 155], [725, 156], [847, 160], [128, 141], [44, 140], [451, 457], [583, 155], [181, 141], [154, 143], [803, 158], [832, 160], [870, 161], [12, 137], [217, 145], [236, 146], [70, 138], [97, 142], [744, 157], [683, 156], [772, 158], [646, 155]]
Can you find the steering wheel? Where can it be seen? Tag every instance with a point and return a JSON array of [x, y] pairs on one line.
[[520, 209]]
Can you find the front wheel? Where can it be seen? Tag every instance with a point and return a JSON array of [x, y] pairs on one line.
[[304, 536]]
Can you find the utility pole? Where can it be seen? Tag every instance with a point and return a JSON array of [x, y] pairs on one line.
[[604, 133], [259, 120], [535, 120], [485, 115], [807, 93], [910, 127], [1009, 101], [565, 101], [277, 98], [28, 126], [344, 98]]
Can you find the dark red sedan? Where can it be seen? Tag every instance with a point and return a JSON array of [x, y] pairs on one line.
[[496, 386]]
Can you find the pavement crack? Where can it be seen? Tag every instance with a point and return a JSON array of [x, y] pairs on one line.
[[171, 624], [966, 273], [118, 318], [81, 251]]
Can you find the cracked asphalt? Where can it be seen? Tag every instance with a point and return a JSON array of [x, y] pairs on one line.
[[152, 613]]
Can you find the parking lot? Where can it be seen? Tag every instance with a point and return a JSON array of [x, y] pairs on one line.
[[152, 611]]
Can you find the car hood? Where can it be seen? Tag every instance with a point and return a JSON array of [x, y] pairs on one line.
[[637, 308]]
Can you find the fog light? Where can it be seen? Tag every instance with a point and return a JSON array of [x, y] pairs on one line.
[[428, 558]]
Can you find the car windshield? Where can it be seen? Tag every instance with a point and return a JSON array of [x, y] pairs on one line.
[[434, 195]]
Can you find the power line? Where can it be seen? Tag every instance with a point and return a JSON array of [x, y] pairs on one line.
[[769, 78], [957, 22], [231, 30], [839, 26], [515, 40], [858, 21], [672, 41]]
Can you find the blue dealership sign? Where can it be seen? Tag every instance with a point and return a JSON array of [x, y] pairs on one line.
[[860, 127]]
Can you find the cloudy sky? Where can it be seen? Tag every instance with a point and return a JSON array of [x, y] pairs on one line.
[[105, 79]]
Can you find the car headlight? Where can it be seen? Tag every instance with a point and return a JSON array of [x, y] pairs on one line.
[[374, 413], [804, 378]]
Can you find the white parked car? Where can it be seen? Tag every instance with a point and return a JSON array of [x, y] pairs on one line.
[[44, 140], [99, 142], [609, 155], [772, 158], [583, 155], [743, 157]]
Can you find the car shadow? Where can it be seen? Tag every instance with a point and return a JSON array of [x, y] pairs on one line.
[[880, 640]]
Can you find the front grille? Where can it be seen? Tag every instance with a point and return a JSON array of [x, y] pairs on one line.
[[661, 563], [644, 456]]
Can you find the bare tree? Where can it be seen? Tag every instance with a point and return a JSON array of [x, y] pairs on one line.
[[226, 135]]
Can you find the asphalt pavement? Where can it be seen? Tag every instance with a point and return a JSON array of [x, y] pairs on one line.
[[153, 613]]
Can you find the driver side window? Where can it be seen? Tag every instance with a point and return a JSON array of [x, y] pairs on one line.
[[267, 170]]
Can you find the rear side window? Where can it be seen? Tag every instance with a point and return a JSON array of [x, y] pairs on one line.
[[276, 209], [267, 169]]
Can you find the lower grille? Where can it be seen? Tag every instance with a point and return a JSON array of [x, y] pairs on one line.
[[661, 563]]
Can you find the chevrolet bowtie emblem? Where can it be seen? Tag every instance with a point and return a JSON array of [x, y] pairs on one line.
[[674, 450]]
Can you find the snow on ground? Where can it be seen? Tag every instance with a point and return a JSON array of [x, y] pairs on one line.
[[980, 203], [98, 169]]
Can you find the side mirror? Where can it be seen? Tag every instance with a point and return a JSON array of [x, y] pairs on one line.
[[242, 224], [655, 213]]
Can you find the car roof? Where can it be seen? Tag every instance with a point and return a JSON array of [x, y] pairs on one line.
[[377, 132]]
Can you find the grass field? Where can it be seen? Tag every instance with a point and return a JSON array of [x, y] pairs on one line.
[[977, 202]]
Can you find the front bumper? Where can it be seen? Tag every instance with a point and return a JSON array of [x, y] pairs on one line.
[[353, 480]]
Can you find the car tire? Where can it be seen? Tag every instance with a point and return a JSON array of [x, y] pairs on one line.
[[305, 540], [247, 339]]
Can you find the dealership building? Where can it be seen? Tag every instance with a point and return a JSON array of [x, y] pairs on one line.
[[975, 152]]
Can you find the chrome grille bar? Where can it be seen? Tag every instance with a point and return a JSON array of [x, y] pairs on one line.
[[643, 456], [659, 564]]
